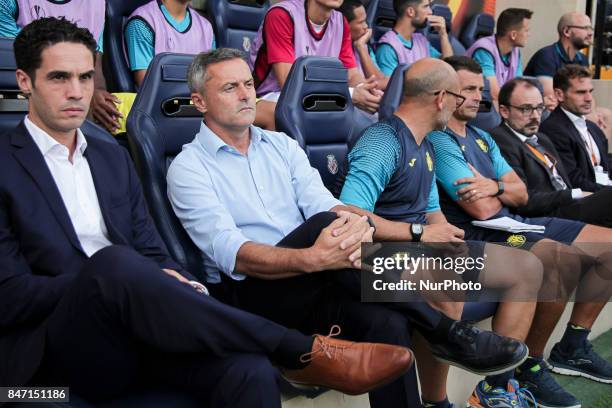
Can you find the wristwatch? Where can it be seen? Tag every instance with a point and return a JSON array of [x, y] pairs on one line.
[[416, 230], [371, 222], [500, 189]]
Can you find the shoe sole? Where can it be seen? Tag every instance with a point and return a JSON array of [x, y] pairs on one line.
[[493, 371], [577, 373], [540, 405]]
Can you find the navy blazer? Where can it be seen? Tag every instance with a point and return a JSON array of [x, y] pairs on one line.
[[40, 254], [572, 150]]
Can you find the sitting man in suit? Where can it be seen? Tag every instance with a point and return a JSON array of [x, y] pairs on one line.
[[91, 299], [534, 158], [581, 144]]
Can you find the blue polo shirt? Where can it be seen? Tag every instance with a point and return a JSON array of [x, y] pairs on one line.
[[549, 59], [390, 174]]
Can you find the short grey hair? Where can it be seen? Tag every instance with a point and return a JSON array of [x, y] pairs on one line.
[[196, 75]]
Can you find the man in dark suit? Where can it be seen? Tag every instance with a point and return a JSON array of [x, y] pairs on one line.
[[535, 159], [581, 144], [89, 296]]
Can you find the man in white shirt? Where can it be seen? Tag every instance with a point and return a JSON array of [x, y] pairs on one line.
[[581, 144], [90, 298]]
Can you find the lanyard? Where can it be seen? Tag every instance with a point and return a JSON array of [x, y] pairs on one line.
[[543, 158], [589, 145]]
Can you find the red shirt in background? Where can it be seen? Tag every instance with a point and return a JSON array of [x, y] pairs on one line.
[[278, 46]]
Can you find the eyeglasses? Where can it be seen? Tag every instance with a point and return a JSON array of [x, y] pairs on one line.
[[586, 27], [527, 110], [459, 99]]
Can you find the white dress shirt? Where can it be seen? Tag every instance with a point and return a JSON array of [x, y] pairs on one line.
[[589, 143], [576, 192], [76, 186]]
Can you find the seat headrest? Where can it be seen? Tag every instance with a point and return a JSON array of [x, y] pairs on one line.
[[115, 63], [164, 97], [393, 94], [480, 25], [8, 66], [236, 22], [383, 18], [317, 99]]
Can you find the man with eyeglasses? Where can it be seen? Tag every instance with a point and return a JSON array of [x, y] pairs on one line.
[[535, 159], [478, 184], [575, 34]]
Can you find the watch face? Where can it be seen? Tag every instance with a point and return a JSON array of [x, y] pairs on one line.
[[417, 228]]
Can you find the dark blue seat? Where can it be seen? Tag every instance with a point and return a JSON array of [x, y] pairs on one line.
[[488, 118], [382, 17], [119, 77], [315, 108], [480, 25], [236, 21], [161, 121], [8, 83], [393, 94], [433, 36], [371, 6]]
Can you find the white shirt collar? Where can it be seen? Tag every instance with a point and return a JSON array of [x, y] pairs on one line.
[[521, 136], [46, 143], [576, 120]]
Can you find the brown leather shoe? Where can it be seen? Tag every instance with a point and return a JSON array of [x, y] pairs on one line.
[[350, 367]]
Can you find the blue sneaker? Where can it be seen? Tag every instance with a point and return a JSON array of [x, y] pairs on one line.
[[544, 390], [485, 396], [583, 362]]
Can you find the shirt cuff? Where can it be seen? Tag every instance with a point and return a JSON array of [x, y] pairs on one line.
[[225, 250], [199, 287], [576, 193]]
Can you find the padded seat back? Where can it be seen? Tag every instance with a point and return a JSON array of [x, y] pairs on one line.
[[8, 66], [162, 120], [315, 108], [383, 18], [393, 94], [119, 77], [236, 21], [480, 25]]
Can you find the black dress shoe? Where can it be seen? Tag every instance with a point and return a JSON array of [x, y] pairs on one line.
[[478, 351]]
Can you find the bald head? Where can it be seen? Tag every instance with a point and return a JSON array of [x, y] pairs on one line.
[[573, 18], [575, 30], [428, 75]]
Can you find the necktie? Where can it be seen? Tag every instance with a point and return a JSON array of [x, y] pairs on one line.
[[539, 151]]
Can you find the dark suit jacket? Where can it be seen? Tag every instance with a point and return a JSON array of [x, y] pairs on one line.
[[40, 254], [543, 198], [572, 151]]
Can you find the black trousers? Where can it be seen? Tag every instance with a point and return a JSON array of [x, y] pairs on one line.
[[594, 209], [124, 322], [312, 303]]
